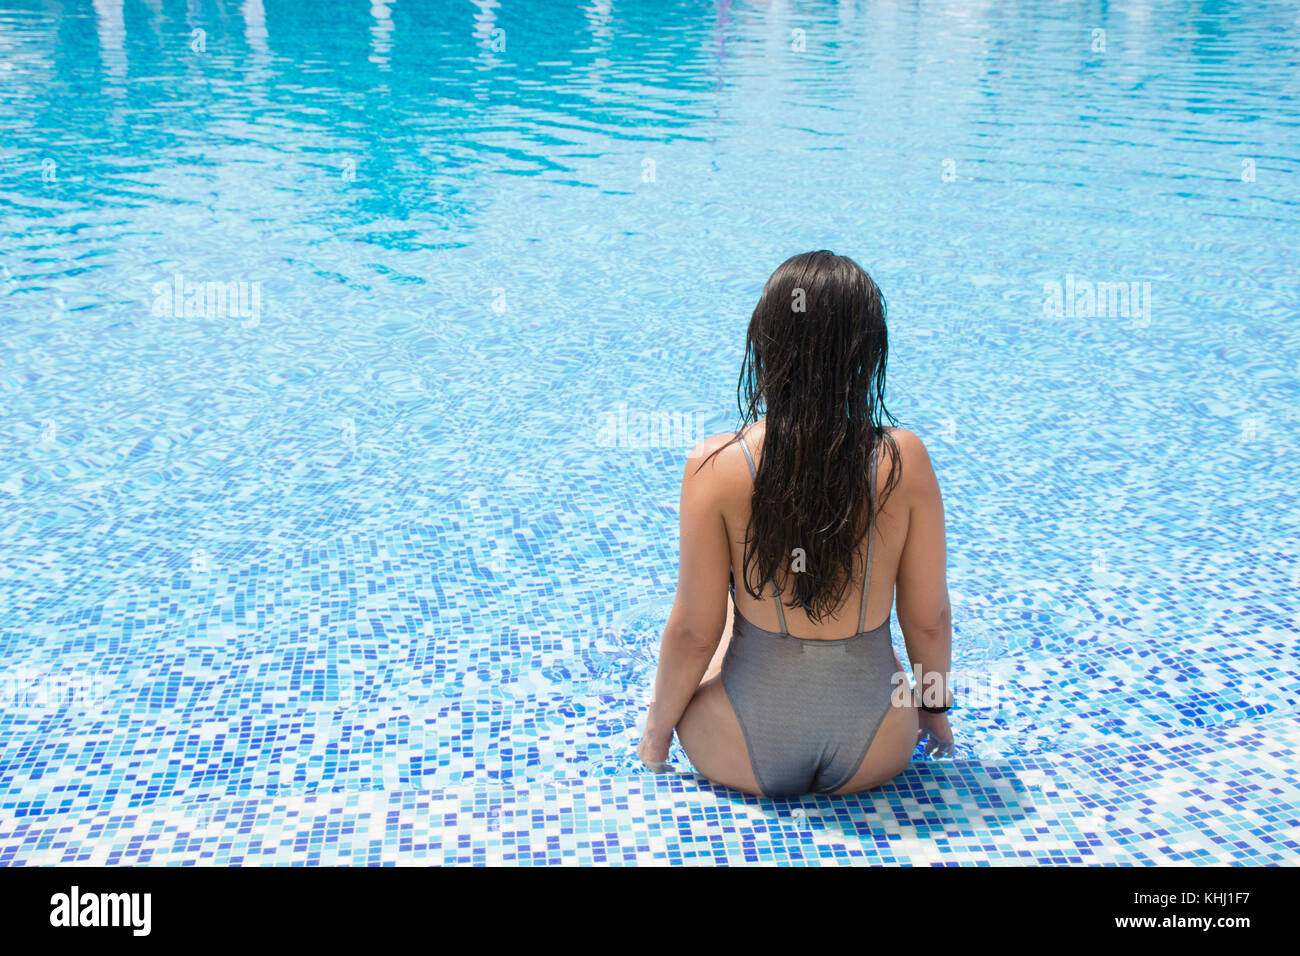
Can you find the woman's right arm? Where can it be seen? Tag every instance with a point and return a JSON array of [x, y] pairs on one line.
[[921, 591]]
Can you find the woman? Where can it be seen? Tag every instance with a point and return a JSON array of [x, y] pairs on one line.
[[812, 518]]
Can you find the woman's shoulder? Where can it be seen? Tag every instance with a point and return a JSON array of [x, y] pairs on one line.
[[917, 471], [909, 443], [716, 472], [721, 453], [716, 450], [724, 445]]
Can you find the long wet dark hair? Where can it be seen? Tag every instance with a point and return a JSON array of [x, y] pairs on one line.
[[815, 365]]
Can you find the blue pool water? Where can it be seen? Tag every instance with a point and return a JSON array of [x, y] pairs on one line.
[[371, 566]]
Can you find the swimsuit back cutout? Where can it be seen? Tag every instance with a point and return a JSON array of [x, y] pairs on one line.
[[871, 550]]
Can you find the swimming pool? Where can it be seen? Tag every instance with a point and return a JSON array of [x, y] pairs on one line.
[[351, 353]]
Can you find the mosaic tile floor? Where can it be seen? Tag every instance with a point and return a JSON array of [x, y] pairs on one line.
[[1220, 796]]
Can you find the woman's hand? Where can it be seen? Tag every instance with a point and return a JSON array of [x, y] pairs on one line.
[[935, 735], [653, 749]]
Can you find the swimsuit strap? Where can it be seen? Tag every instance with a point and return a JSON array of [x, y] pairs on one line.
[[780, 610], [871, 547], [776, 592], [753, 472]]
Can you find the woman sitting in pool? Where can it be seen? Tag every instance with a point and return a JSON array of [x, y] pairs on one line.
[[815, 516]]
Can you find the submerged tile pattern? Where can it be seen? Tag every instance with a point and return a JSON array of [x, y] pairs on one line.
[[382, 742], [1223, 795]]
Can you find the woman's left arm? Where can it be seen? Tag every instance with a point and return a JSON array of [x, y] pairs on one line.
[[700, 609]]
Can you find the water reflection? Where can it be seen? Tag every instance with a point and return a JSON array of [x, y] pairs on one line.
[[255, 35], [112, 41], [381, 33], [474, 96], [491, 39]]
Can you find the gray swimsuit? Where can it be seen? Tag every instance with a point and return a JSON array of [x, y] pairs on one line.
[[809, 709]]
